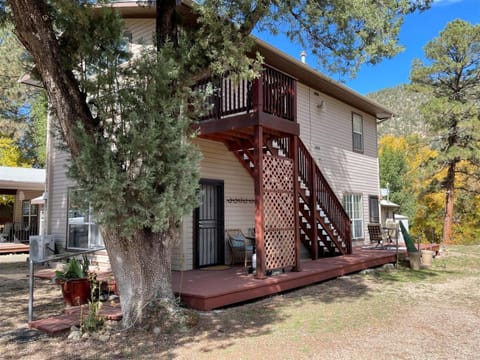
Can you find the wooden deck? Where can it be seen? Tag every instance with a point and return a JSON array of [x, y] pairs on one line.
[[210, 289], [13, 248]]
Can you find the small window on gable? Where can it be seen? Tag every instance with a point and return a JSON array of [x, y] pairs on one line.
[[357, 132]]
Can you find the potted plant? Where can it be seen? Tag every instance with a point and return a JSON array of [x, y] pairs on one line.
[[74, 281]]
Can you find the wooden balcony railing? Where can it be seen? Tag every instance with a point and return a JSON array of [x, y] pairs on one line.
[[273, 93]]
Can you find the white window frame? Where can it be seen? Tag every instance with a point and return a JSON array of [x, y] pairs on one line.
[[81, 220], [357, 133], [353, 204], [29, 216], [374, 209]]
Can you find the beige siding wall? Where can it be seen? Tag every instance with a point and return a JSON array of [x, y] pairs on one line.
[[219, 163], [326, 129], [142, 31], [57, 203]]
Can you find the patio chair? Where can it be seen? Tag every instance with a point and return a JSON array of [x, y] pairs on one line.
[[376, 234], [6, 233], [240, 247]]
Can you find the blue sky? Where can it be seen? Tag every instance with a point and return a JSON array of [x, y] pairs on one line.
[[417, 30]]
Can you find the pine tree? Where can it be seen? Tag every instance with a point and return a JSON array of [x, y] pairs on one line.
[[451, 77]]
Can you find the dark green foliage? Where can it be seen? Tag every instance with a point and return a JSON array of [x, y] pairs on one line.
[[141, 171], [73, 269], [394, 174], [341, 34]]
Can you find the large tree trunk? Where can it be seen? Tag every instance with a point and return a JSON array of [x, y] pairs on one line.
[[141, 265], [449, 202], [165, 24]]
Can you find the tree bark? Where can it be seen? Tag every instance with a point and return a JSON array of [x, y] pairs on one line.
[[34, 29], [141, 265], [165, 24], [449, 202]]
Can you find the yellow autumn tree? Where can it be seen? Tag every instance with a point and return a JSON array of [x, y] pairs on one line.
[[10, 154]]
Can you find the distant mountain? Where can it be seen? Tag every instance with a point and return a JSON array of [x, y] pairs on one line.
[[405, 104]]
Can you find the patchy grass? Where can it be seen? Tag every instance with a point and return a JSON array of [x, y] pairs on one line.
[[390, 314], [455, 261]]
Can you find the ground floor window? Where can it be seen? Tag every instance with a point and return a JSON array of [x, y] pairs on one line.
[[353, 207], [82, 230], [373, 209], [29, 216]]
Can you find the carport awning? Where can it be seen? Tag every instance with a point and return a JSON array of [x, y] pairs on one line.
[[12, 178], [40, 200]]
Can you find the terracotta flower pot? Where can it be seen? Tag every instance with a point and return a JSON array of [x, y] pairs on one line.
[[76, 291]]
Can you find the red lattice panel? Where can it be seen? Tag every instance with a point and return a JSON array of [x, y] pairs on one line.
[[279, 212], [279, 249], [277, 174]]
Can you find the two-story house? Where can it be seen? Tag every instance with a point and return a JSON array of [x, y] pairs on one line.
[[292, 155]]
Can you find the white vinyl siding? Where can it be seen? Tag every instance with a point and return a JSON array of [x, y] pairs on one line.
[[142, 31], [218, 163], [57, 186], [354, 207], [326, 130]]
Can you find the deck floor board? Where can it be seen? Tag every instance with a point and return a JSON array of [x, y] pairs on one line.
[[206, 290]]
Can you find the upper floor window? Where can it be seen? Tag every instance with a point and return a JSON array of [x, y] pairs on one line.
[[357, 132]]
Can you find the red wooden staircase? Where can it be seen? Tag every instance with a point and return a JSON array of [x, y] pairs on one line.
[[324, 226]]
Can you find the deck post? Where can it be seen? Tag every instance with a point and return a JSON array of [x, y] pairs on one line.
[[258, 94], [31, 280], [313, 207], [294, 155], [294, 110], [259, 213]]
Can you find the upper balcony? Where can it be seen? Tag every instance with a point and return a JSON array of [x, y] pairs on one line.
[[238, 105]]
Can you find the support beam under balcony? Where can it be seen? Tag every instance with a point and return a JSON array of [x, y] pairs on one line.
[[248, 120], [259, 206]]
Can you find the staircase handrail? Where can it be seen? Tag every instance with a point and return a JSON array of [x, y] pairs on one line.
[[329, 202]]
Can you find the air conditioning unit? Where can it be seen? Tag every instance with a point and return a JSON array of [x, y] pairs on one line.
[[41, 246]]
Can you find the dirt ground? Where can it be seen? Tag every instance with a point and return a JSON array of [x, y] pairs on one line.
[[398, 314]]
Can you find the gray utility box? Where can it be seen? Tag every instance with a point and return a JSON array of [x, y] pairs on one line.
[[41, 246]]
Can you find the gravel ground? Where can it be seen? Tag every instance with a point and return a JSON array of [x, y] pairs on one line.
[[400, 314]]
